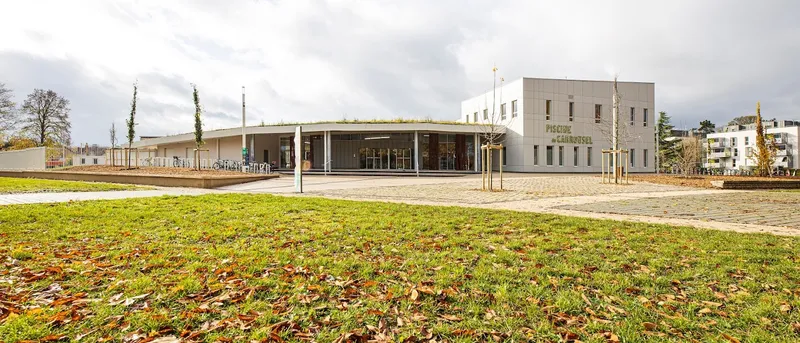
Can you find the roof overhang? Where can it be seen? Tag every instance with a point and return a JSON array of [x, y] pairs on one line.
[[321, 127]]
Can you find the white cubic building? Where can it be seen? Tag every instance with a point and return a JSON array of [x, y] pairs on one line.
[[733, 147], [547, 125], [561, 126]]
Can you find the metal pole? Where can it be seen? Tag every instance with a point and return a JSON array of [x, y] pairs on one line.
[[615, 133], [244, 138], [502, 161]]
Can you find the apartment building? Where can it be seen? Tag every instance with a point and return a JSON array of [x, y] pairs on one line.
[[734, 147]]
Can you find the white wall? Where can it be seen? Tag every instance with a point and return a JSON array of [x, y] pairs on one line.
[[89, 160], [528, 130], [27, 159]]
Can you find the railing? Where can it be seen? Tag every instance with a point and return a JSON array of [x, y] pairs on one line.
[[719, 154], [206, 164]]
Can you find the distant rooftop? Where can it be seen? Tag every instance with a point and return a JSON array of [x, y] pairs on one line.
[[768, 124]]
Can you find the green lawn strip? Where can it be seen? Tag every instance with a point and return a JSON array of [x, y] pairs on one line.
[[22, 185], [259, 267]]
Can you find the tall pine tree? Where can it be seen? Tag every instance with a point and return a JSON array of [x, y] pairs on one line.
[[667, 148]]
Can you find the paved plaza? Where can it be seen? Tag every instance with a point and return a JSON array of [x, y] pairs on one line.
[[759, 208]]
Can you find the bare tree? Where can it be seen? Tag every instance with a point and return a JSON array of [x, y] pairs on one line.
[[8, 110], [618, 132], [493, 124], [688, 155], [45, 117]]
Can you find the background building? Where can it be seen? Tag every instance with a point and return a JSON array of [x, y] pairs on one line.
[[561, 126], [732, 147]]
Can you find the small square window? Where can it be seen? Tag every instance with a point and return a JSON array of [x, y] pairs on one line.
[[575, 156], [547, 110], [571, 111], [633, 116], [644, 117], [598, 113], [513, 109]]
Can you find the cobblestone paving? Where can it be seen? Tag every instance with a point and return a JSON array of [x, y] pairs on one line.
[[516, 189], [760, 208]]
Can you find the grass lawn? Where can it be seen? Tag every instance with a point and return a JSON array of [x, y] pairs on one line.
[[257, 267], [20, 185]]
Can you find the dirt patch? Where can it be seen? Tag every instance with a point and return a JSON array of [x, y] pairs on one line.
[[702, 181], [152, 171]]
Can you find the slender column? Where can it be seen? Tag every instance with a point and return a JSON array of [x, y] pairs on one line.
[[325, 152], [416, 152], [165, 155], [477, 145]]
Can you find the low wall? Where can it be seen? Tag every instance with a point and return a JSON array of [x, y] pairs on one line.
[[757, 184], [26, 159], [193, 181]]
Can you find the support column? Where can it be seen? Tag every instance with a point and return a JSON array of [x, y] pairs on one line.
[[217, 150], [330, 153], [477, 146], [416, 152], [325, 152]]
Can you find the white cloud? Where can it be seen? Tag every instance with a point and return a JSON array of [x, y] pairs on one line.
[[312, 60]]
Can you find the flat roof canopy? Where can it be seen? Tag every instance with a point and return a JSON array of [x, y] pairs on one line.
[[321, 127]]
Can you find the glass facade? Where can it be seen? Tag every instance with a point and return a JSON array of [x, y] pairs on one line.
[[385, 151]]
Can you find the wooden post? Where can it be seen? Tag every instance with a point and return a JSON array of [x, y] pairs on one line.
[[483, 169]]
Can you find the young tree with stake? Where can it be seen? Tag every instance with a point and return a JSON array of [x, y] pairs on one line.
[[131, 124], [198, 126]]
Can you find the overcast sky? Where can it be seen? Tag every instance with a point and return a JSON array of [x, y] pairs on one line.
[[327, 60]]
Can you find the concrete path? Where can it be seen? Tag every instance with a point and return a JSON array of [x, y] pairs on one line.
[[38, 198]]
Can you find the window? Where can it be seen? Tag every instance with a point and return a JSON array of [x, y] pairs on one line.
[[644, 117], [561, 156], [734, 162], [549, 155], [94, 161], [83, 160], [735, 152], [645, 158], [747, 141], [575, 156], [589, 156], [633, 116], [547, 110], [733, 141], [536, 155], [475, 117], [633, 158], [513, 109], [503, 111], [598, 112], [571, 111], [467, 118]]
